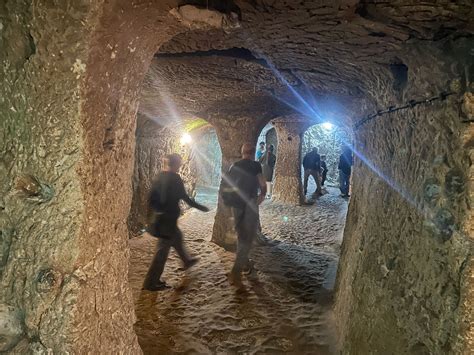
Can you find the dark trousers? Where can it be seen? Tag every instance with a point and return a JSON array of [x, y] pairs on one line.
[[316, 176], [158, 264], [323, 177], [246, 226], [344, 180]]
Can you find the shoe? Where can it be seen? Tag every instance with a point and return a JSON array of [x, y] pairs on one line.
[[235, 280], [157, 287], [261, 239], [249, 268], [189, 264]]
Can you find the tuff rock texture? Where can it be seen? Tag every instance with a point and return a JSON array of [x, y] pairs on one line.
[[11, 328], [412, 271], [71, 75], [287, 186], [67, 119]]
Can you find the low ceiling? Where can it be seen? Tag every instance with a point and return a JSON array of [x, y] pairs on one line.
[[314, 57]]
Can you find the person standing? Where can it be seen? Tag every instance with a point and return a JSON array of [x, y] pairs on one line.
[[260, 151], [268, 161], [166, 192], [312, 167], [345, 164], [324, 169], [246, 179]]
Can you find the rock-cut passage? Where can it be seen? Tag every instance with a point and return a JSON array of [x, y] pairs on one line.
[[285, 307]]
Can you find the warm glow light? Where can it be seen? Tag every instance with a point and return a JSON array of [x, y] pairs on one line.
[[186, 139], [327, 126]]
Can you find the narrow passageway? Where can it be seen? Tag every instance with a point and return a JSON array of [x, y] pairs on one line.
[[288, 296]]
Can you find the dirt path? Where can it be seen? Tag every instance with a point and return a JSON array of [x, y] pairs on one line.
[[285, 308]]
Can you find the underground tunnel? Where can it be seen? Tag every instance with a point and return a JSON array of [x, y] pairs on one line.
[[96, 95]]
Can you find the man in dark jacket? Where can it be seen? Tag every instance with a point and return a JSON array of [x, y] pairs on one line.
[[345, 164], [312, 167], [165, 195], [246, 175]]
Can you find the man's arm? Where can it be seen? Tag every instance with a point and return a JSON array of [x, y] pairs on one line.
[[184, 196], [263, 188]]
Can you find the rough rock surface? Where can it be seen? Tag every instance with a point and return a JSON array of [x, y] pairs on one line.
[[412, 271], [67, 119], [11, 328], [287, 187], [287, 304], [71, 74]]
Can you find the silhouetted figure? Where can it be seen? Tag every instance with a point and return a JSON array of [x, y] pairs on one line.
[[345, 164], [260, 151], [324, 169], [165, 195], [268, 161], [312, 167], [244, 180]]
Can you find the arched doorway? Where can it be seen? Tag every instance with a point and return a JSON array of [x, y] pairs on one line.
[[329, 139]]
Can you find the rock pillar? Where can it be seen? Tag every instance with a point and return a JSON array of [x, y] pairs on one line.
[[231, 135], [288, 187]]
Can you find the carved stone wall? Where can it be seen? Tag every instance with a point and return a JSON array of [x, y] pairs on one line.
[[404, 275], [71, 74]]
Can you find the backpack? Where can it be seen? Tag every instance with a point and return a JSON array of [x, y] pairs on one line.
[[155, 208], [230, 192]]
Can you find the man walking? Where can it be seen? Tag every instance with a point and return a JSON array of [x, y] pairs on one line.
[[246, 176], [345, 164], [165, 195], [312, 167]]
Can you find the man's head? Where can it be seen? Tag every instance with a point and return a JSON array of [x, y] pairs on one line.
[[315, 149], [262, 145], [173, 162], [248, 151], [323, 157]]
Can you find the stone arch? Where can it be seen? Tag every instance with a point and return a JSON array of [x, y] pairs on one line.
[[329, 138], [153, 142]]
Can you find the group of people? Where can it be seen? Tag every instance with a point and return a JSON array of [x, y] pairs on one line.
[[245, 188], [315, 165], [249, 186]]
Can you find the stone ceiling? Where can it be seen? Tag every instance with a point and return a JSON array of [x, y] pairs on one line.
[[330, 51]]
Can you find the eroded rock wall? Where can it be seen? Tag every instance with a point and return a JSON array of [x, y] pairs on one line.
[[71, 74], [42, 206], [403, 279]]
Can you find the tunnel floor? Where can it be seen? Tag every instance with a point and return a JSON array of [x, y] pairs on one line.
[[287, 300]]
